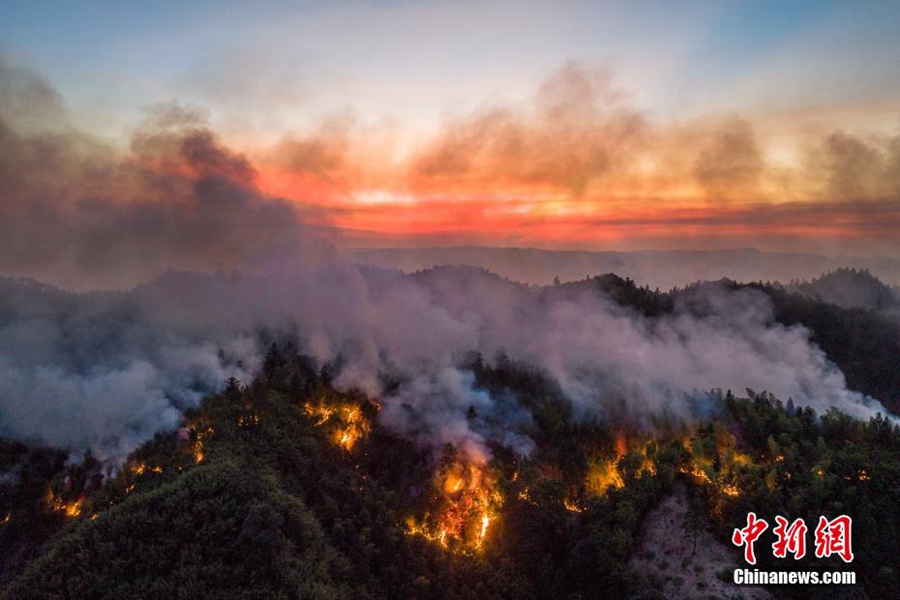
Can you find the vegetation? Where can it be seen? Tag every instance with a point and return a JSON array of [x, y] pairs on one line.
[[287, 488]]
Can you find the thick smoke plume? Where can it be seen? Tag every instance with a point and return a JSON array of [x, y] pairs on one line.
[[105, 370], [84, 214]]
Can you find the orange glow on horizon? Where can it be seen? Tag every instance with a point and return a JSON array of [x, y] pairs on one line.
[[566, 171], [537, 219]]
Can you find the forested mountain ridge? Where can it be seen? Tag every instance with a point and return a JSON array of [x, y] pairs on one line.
[[286, 487], [863, 342], [849, 288], [258, 496]]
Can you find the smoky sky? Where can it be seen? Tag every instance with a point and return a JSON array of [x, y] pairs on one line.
[[106, 370], [81, 213], [84, 213]]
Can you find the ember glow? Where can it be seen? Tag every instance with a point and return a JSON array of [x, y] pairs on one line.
[[69, 508], [140, 468], [202, 433], [344, 420], [466, 502], [717, 464], [605, 473]]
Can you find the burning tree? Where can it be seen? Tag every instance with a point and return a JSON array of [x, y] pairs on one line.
[[346, 420], [463, 503]]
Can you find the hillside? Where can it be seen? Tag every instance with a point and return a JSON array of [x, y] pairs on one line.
[[849, 288], [293, 484], [656, 269], [287, 488]]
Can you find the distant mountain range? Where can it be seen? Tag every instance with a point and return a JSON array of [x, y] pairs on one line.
[[662, 269]]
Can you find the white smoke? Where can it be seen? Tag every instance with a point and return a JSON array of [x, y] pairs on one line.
[[107, 371]]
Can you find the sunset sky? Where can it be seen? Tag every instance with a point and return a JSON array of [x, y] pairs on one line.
[[590, 125]]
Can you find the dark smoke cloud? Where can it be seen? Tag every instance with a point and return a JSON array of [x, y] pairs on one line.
[[731, 161], [78, 212], [578, 129], [852, 167]]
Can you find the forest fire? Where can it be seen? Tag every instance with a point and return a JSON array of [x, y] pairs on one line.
[[716, 462], [200, 437], [572, 506], [248, 420], [601, 476], [525, 496], [70, 509], [346, 420], [73, 509], [696, 472], [731, 490], [140, 468], [467, 502], [632, 456]]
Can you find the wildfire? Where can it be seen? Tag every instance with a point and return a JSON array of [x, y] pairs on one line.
[[141, 468], [630, 458], [647, 464], [200, 438], [621, 445], [696, 472], [731, 490], [602, 475], [347, 420], [247, 420], [571, 506], [525, 496], [485, 521], [69, 509], [467, 505], [731, 464]]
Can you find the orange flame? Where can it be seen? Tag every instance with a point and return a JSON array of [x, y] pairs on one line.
[[247, 420], [731, 490], [621, 445], [571, 506], [601, 476], [468, 504], [69, 509], [202, 435], [348, 421]]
